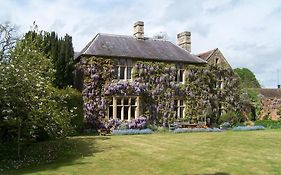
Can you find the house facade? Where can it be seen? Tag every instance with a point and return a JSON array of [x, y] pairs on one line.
[[144, 76]]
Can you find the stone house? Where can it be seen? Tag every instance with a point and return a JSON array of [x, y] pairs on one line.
[[214, 57], [270, 102], [127, 50]]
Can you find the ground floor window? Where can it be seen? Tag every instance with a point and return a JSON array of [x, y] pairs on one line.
[[179, 109], [124, 108]]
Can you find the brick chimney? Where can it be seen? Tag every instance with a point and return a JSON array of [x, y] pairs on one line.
[[139, 30], [184, 40]]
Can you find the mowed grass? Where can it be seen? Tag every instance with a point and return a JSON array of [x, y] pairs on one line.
[[244, 152]]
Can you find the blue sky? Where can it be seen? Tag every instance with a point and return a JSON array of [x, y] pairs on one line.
[[248, 32]]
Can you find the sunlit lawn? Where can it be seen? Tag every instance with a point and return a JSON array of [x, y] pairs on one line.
[[247, 152]]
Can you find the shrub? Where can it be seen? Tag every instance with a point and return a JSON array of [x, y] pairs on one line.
[[184, 130], [132, 131], [138, 123], [231, 117], [248, 128], [225, 125], [269, 123]]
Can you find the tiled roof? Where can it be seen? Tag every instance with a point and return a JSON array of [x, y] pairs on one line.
[[270, 93], [206, 55], [128, 46]]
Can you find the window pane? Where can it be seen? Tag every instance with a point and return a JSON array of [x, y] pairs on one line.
[[122, 73], [126, 113], [126, 101], [181, 114], [181, 102], [116, 72], [133, 101], [110, 102], [181, 75], [119, 101], [133, 109], [129, 72], [110, 112], [122, 61], [119, 110]]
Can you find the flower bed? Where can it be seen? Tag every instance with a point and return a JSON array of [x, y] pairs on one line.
[[132, 131], [184, 130], [248, 128]]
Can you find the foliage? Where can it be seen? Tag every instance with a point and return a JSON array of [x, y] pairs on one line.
[[97, 72], [155, 82], [138, 123], [248, 128], [30, 107], [279, 111], [272, 124], [42, 153], [184, 130], [8, 38], [231, 117], [59, 50], [225, 125], [73, 101], [210, 91], [132, 131], [248, 78]]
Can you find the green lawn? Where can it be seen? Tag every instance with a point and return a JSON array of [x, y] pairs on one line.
[[244, 152]]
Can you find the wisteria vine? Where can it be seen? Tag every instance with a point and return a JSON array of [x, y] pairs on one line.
[[155, 83]]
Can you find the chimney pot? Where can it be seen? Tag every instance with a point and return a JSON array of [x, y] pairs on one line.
[[139, 30], [184, 40]]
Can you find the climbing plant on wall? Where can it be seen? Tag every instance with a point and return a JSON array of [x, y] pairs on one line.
[[155, 83]]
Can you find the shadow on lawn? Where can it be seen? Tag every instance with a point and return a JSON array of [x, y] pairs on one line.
[[218, 173], [51, 155]]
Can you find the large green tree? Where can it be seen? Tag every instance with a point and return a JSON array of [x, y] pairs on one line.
[[60, 51], [247, 77]]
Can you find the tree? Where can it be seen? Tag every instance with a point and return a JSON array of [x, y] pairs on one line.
[[247, 77], [8, 38], [31, 108], [60, 51]]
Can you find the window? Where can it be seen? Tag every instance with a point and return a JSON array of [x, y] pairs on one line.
[[179, 108], [180, 74], [126, 108], [123, 69], [110, 110], [217, 61]]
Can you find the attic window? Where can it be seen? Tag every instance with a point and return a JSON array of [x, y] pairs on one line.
[[217, 61], [123, 69]]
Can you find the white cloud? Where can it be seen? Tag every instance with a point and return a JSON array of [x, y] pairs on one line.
[[247, 32]]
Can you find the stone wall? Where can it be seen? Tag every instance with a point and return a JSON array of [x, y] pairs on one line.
[[270, 107]]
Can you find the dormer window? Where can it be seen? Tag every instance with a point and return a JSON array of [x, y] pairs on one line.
[[123, 69]]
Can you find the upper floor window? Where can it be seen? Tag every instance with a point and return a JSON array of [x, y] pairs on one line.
[[123, 69], [180, 74]]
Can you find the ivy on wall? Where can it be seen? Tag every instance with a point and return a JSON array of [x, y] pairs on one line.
[[155, 83]]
